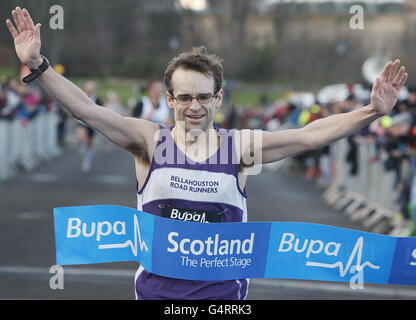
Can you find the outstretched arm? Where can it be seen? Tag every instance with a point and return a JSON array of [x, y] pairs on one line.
[[385, 92], [128, 133]]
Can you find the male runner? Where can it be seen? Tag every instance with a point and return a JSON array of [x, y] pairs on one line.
[[209, 190]]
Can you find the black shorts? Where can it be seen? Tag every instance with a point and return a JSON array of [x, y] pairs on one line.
[[90, 131]]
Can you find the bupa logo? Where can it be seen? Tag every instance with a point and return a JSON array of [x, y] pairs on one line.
[[76, 228], [191, 215], [310, 248], [184, 215], [98, 229]]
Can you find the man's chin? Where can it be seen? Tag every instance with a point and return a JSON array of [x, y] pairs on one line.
[[202, 126]]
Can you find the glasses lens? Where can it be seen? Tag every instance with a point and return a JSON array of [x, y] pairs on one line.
[[184, 99], [204, 98]]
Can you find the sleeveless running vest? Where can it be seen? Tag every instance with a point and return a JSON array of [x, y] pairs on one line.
[[178, 188]]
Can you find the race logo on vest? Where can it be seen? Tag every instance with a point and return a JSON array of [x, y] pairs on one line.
[[191, 215]]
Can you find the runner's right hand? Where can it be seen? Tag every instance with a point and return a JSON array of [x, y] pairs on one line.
[[26, 38]]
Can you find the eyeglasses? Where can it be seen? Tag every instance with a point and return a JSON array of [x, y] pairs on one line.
[[202, 98]]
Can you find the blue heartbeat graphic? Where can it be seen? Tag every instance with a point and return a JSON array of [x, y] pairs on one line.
[[128, 243], [357, 251]]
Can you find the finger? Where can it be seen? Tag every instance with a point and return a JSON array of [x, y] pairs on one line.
[[376, 86], [16, 21], [376, 83], [21, 18], [403, 80], [393, 70], [28, 19], [379, 87], [12, 29], [37, 30], [385, 71], [399, 76]]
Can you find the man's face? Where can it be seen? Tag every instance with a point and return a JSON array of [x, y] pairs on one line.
[[412, 97], [89, 88], [155, 92], [194, 115]]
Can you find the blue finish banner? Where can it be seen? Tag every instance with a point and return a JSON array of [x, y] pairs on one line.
[[234, 250]]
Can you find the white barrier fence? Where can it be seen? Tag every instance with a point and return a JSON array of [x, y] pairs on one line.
[[369, 197], [25, 143]]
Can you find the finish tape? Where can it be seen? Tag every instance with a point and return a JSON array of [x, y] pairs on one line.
[[232, 250]]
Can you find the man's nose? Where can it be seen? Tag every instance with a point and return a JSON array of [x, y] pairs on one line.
[[195, 105]]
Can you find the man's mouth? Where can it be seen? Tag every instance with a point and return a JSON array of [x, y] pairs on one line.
[[194, 116]]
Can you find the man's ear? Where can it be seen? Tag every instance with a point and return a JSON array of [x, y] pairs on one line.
[[169, 99], [218, 102]]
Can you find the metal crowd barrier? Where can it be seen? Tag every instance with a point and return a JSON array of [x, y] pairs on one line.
[[25, 143], [369, 197]]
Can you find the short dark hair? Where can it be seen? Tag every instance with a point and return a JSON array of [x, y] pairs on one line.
[[151, 82], [197, 60]]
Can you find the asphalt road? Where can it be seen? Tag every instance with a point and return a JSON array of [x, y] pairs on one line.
[[27, 249]]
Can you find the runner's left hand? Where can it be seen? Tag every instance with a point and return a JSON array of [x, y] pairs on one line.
[[386, 89]]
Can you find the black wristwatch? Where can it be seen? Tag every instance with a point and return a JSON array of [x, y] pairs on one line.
[[38, 71]]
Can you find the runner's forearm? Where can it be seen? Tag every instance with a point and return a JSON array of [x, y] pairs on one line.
[[68, 94], [327, 130]]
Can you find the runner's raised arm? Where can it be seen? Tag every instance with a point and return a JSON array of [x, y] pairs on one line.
[[128, 133]]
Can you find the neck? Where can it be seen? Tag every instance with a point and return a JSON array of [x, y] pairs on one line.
[[194, 137]]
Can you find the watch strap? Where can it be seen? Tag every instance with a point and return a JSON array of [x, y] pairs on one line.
[[35, 73]]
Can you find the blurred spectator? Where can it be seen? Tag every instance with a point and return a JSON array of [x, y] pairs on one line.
[[411, 104], [113, 102], [231, 117], [154, 106], [9, 98], [61, 128], [85, 134]]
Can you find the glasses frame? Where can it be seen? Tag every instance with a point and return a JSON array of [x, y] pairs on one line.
[[214, 96]]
